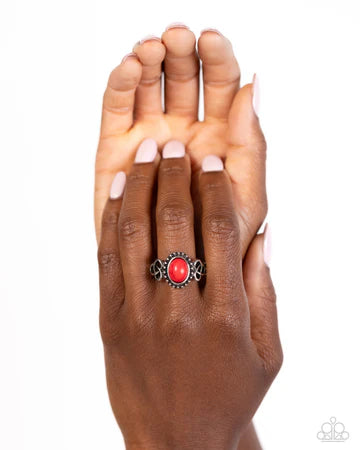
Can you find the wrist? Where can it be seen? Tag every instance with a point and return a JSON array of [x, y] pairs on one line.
[[201, 442]]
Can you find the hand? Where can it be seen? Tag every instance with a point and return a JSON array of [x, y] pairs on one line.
[[186, 368], [132, 111]]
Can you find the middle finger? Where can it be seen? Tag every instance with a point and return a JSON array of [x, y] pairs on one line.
[[174, 209]]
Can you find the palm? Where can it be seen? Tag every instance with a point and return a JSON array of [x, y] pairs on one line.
[[200, 138], [234, 136]]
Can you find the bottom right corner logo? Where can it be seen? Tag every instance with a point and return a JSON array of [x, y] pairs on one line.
[[333, 431]]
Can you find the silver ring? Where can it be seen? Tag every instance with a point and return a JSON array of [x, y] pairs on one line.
[[178, 269]]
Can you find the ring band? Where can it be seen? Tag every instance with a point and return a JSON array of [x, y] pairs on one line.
[[178, 269]]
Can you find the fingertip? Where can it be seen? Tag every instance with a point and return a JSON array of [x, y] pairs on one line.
[[212, 44], [118, 186], [173, 25], [267, 245], [150, 51], [212, 163], [179, 41], [256, 94], [127, 74], [254, 266], [242, 104], [147, 151], [244, 125], [211, 30], [257, 277], [173, 149], [129, 55]]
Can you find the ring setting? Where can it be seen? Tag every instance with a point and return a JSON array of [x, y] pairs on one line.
[[178, 269]]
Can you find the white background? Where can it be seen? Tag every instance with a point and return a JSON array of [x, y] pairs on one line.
[[55, 59]]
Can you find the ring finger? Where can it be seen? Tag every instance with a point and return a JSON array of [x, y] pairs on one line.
[[135, 219]]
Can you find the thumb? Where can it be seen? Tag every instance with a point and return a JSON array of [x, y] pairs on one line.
[[262, 302], [244, 123], [245, 160]]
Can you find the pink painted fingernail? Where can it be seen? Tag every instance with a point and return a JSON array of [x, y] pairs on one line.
[[147, 151], [212, 163], [129, 55], [176, 25], [150, 37], [267, 245], [213, 30], [173, 149], [256, 94], [118, 185]]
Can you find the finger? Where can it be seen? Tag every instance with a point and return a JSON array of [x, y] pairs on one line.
[[220, 231], [119, 97], [174, 208], [244, 125], [262, 303], [181, 70], [110, 270], [246, 161], [151, 53], [135, 220], [221, 74]]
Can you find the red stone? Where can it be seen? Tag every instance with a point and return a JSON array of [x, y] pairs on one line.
[[178, 270]]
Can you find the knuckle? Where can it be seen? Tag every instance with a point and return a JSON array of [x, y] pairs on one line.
[[139, 325], [278, 362], [261, 144], [108, 259], [139, 180], [222, 226], [227, 292], [274, 363], [252, 217], [258, 142], [132, 229], [212, 184], [262, 210], [110, 331], [175, 214], [267, 293], [109, 322], [178, 325], [110, 218], [225, 322], [175, 168]]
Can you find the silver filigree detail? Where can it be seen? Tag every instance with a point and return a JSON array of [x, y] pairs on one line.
[[199, 269], [156, 269]]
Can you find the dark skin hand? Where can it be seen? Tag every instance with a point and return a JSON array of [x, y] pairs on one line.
[[133, 110], [186, 368]]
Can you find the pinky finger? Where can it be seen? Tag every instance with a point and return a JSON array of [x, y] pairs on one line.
[[262, 304], [110, 270]]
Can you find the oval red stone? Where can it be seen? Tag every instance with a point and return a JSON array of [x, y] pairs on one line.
[[178, 270]]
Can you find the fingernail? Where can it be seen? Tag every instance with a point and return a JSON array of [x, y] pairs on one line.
[[118, 185], [267, 245], [212, 163], [173, 149], [146, 152], [150, 37], [256, 94], [176, 25], [129, 55], [213, 30]]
